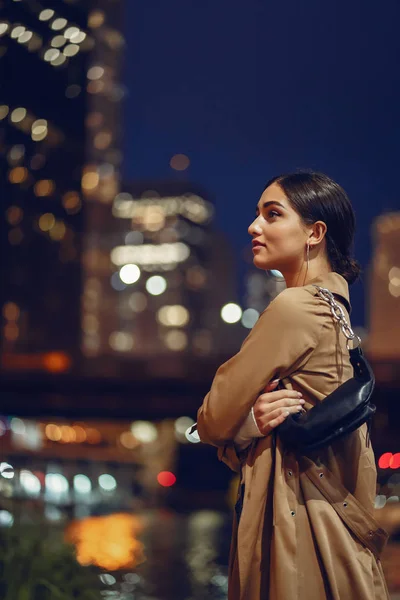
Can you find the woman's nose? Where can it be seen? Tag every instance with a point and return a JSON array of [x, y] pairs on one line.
[[254, 228]]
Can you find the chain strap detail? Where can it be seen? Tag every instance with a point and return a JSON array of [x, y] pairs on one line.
[[338, 314]]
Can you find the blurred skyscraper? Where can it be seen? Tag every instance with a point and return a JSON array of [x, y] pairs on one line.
[[383, 343], [93, 276], [156, 289], [59, 147]]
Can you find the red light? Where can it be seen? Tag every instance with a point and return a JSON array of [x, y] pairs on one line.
[[384, 460], [166, 479], [395, 461]]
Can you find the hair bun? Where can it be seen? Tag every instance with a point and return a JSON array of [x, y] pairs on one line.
[[349, 268]]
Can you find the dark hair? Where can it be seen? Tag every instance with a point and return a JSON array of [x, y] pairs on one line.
[[316, 197]]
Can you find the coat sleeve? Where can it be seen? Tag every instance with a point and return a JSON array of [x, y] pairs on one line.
[[280, 342]]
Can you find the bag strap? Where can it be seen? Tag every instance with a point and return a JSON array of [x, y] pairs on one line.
[[338, 314]]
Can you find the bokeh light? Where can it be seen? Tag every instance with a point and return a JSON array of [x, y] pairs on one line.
[[231, 313], [173, 316], [107, 482], [156, 285], [179, 162], [109, 542], [82, 484], [176, 340], [249, 317], [129, 273], [166, 479], [144, 431]]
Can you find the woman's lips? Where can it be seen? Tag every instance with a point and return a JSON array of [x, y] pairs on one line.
[[257, 246]]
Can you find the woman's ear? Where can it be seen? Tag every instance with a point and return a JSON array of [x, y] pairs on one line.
[[317, 233]]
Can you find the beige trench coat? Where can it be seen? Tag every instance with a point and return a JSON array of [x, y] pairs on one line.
[[306, 531]]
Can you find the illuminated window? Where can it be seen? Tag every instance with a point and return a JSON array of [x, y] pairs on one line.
[[144, 431], [11, 311], [71, 32], [176, 340], [58, 41], [46, 222], [25, 37], [11, 332], [173, 316], [90, 180], [14, 215], [58, 24], [17, 31], [71, 50], [60, 60], [3, 111], [18, 114], [71, 202], [39, 130], [150, 254], [46, 14], [78, 38], [58, 231], [3, 28], [16, 152], [95, 72], [51, 54], [102, 140], [95, 87], [96, 19], [121, 341], [44, 187], [18, 175]]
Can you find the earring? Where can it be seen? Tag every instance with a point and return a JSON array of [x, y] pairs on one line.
[[308, 255]]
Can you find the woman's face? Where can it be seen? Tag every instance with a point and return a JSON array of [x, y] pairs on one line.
[[279, 235]]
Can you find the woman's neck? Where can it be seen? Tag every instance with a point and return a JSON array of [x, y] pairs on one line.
[[299, 278]]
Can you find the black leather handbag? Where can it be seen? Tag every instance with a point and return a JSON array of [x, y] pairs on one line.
[[342, 411]]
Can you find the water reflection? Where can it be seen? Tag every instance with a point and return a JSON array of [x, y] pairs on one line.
[[110, 489], [109, 542]]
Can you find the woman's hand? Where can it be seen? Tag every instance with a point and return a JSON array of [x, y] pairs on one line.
[[272, 408]]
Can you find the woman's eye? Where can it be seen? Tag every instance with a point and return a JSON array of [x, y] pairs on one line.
[[273, 213]]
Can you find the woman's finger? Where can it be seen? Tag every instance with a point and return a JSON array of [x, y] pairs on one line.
[[278, 395], [275, 418], [262, 409]]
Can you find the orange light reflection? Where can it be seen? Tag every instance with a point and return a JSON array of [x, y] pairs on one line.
[[108, 542]]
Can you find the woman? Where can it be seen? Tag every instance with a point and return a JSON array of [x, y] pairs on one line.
[[292, 542]]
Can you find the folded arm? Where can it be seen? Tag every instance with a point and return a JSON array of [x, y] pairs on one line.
[[280, 342]]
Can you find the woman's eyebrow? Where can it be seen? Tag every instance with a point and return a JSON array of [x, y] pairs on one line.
[[273, 202], [266, 204]]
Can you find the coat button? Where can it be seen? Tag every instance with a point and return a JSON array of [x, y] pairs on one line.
[[292, 513], [290, 473], [345, 504], [370, 533], [321, 475]]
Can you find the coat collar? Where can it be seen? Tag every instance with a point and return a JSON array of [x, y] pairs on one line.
[[336, 284]]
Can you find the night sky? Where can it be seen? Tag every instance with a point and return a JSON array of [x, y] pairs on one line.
[[251, 89]]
